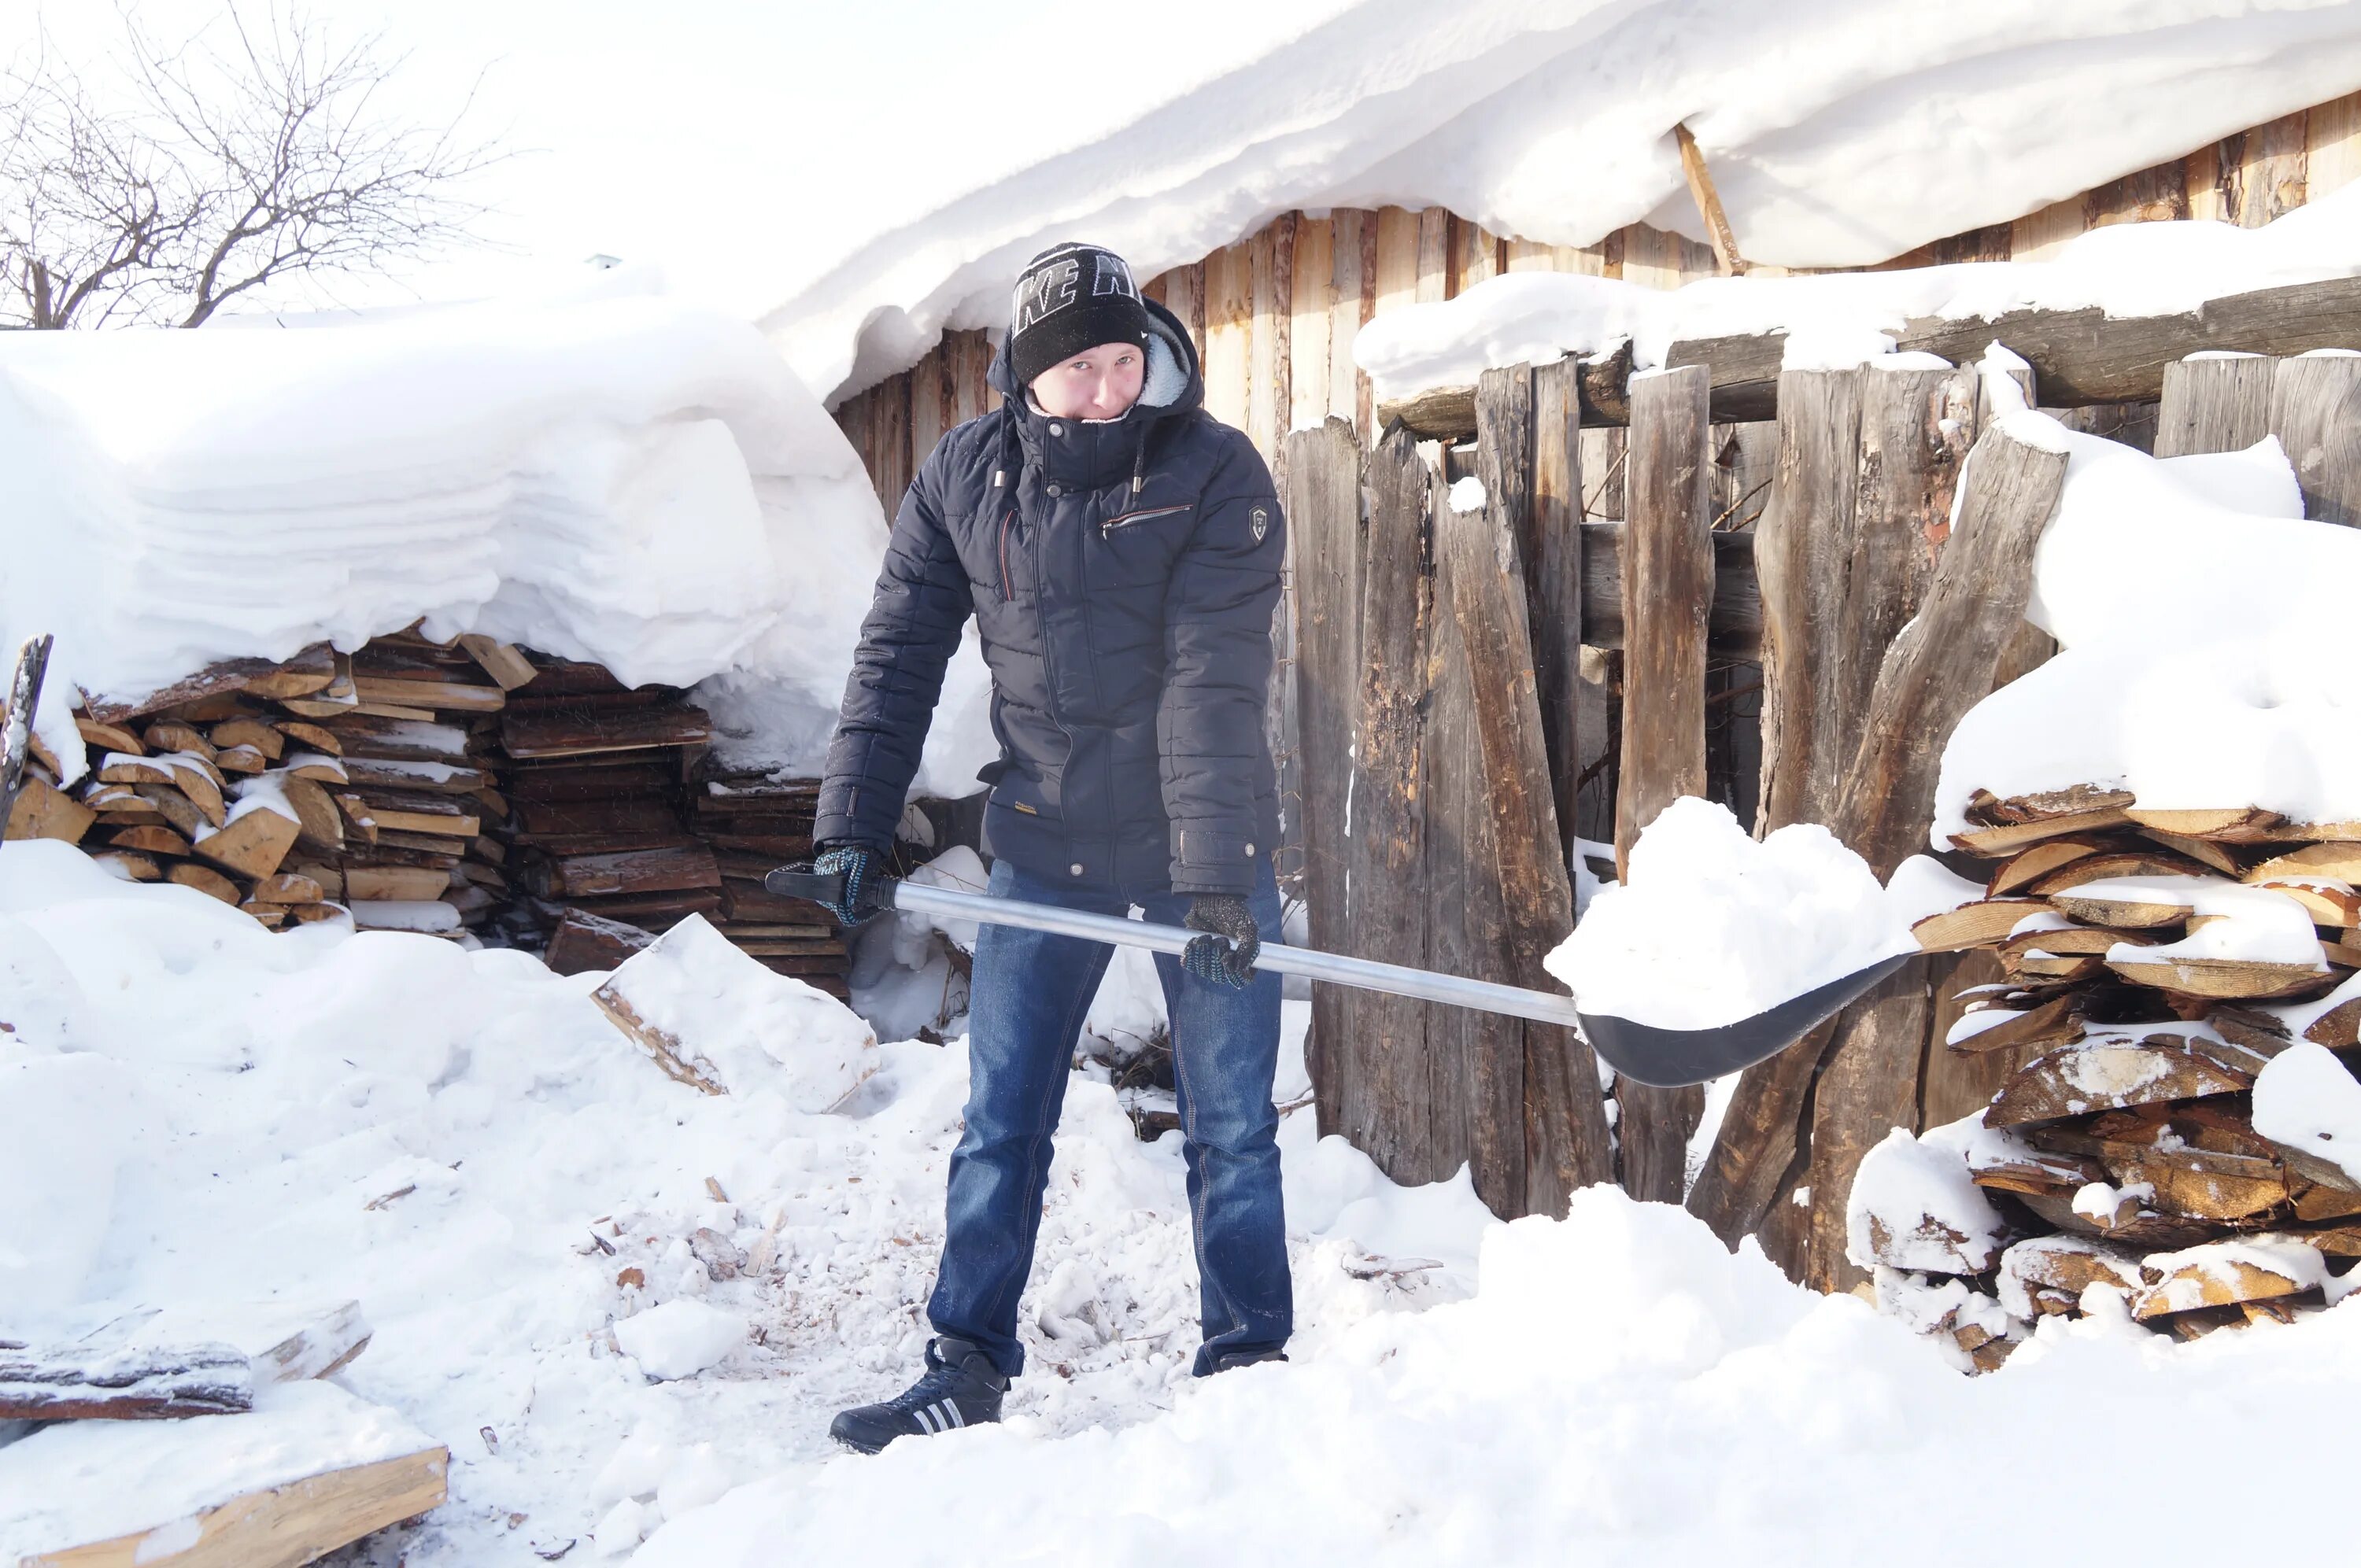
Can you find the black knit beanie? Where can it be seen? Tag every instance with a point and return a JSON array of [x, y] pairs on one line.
[[1071, 297]]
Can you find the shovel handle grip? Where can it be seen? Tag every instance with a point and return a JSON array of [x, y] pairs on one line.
[[793, 881]]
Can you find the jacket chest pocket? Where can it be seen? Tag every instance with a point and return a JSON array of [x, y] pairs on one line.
[[1004, 571], [1135, 548]]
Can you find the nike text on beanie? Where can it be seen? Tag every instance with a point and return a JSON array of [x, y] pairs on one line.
[[1071, 297]]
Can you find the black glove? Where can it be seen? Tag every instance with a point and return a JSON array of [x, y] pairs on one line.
[[863, 870], [1209, 957]]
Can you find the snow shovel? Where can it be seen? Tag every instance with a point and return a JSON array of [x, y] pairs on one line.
[[1666, 1059]]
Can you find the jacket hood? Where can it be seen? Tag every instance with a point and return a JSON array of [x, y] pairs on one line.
[[1174, 384]]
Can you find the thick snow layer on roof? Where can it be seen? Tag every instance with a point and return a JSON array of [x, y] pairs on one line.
[[1836, 319], [1839, 133], [627, 481]]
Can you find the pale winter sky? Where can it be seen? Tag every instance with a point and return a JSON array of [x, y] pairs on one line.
[[739, 145]]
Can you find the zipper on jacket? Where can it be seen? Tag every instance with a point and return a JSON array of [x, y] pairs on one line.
[[1128, 519], [1006, 518]]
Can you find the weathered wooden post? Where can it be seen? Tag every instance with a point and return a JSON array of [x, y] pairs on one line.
[[1915, 430], [2214, 405], [1668, 599], [2316, 414], [1386, 1100], [1554, 564], [1324, 520]]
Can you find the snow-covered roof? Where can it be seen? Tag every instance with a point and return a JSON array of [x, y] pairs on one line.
[[1839, 133]]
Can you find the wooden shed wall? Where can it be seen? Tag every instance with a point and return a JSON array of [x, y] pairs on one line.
[[1274, 314]]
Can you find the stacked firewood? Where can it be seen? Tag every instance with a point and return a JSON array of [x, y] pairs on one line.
[[300, 791], [445, 787], [2154, 962]]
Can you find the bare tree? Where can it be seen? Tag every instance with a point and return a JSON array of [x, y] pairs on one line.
[[223, 169]]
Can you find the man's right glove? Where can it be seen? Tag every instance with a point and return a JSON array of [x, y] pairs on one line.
[[863, 870], [1224, 962]]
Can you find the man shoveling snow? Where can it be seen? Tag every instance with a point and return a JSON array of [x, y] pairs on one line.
[[1120, 550]]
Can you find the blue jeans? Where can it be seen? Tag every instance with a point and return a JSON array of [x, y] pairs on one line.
[[1029, 995]]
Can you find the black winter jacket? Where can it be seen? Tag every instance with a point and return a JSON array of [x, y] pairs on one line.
[[1123, 575]]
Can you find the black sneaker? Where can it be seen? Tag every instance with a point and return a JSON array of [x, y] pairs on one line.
[[961, 1388], [1231, 1359]]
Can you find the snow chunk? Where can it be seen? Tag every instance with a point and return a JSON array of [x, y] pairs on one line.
[[1712, 927], [2306, 1099], [742, 1026], [1466, 494], [1922, 886], [680, 1339], [1913, 1206]]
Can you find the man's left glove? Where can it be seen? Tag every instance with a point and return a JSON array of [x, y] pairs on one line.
[[1209, 957], [863, 870]]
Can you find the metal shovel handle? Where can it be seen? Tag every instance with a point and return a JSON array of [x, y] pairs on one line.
[[1310, 962]]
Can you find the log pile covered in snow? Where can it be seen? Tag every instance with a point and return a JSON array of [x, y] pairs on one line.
[[2166, 971]]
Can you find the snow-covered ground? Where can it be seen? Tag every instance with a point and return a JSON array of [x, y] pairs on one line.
[[208, 1112], [193, 1110]]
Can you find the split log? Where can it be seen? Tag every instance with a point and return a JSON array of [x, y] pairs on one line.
[[175, 807], [631, 871], [2231, 1277], [110, 737], [210, 882], [1667, 593], [1977, 925], [43, 811], [442, 696], [117, 1383], [679, 1063], [286, 887], [2228, 977], [253, 845], [392, 883], [322, 821], [584, 942], [152, 840], [2053, 1272], [318, 737], [241, 760], [130, 866], [311, 671], [2100, 1074], [250, 732], [170, 735], [509, 668], [1553, 1094], [579, 732], [2008, 838]]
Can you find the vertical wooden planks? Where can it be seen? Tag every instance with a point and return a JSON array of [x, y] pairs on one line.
[[890, 424], [1311, 307], [1229, 332], [1475, 257], [2214, 405], [1667, 596], [1396, 275], [967, 361], [1350, 396], [2039, 236], [2331, 146], [1802, 547], [1556, 568], [1270, 262], [1322, 471], [2316, 414], [1434, 255], [930, 404], [2262, 171], [1389, 840], [1184, 296]]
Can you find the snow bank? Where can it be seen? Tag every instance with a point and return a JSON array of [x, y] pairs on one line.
[[2125, 270], [462, 1143], [1621, 1391], [1552, 120], [1711, 927], [625, 480]]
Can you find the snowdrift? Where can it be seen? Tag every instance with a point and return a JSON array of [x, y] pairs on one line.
[[627, 481]]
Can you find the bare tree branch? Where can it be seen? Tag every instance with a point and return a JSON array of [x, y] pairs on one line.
[[233, 169]]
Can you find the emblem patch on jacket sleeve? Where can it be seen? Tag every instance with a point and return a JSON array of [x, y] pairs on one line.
[[1259, 521]]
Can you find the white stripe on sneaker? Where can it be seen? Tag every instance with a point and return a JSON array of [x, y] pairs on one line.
[[924, 1417], [951, 1407]]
